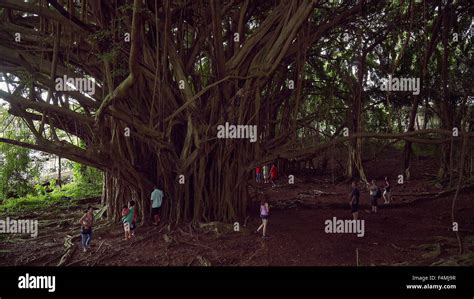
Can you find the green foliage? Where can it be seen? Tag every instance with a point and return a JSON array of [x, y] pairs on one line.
[[30, 202], [40, 190], [45, 197], [17, 170], [87, 178], [77, 191]]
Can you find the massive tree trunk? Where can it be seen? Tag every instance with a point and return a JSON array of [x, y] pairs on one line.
[[166, 75], [355, 167], [163, 85]]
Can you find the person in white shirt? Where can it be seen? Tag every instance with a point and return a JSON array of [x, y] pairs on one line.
[[156, 200]]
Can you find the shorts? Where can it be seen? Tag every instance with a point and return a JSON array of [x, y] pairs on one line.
[[373, 201], [155, 211], [126, 226], [354, 208], [264, 217], [86, 231]]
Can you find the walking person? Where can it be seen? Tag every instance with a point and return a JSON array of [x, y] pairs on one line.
[[354, 200], [156, 201], [132, 218], [264, 215], [387, 195], [87, 221]]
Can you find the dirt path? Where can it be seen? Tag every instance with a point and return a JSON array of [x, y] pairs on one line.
[[414, 234]]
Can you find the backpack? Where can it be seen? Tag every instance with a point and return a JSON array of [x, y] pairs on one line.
[[379, 193]]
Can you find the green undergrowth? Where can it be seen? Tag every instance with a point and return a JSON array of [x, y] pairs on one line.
[[44, 198]]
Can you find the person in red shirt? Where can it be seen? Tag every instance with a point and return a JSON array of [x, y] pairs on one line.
[[258, 172], [273, 174]]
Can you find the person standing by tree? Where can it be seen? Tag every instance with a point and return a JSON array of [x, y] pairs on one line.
[[156, 201], [387, 195], [354, 200], [87, 221], [258, 174], [273, 174], [375, 193], [265, 173]]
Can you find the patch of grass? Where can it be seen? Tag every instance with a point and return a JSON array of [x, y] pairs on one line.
[[30, 202], [43, 199], [78, 191]]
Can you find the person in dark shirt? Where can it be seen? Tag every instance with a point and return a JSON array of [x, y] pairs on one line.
[[354, 200]]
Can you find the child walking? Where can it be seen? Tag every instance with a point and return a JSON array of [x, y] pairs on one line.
[[126, 224], [264, 215], [265, 174], [133, 217]]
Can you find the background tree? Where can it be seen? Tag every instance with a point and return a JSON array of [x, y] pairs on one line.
[[18, 171]]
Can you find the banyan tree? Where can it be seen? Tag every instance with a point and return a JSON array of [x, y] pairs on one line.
[[165, 74]]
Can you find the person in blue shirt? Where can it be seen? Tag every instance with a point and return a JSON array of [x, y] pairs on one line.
[[156, 200]]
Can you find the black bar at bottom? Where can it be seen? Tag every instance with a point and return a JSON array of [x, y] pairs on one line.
[[287, 282]]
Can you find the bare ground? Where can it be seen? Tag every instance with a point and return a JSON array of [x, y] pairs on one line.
[[415, 230]]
